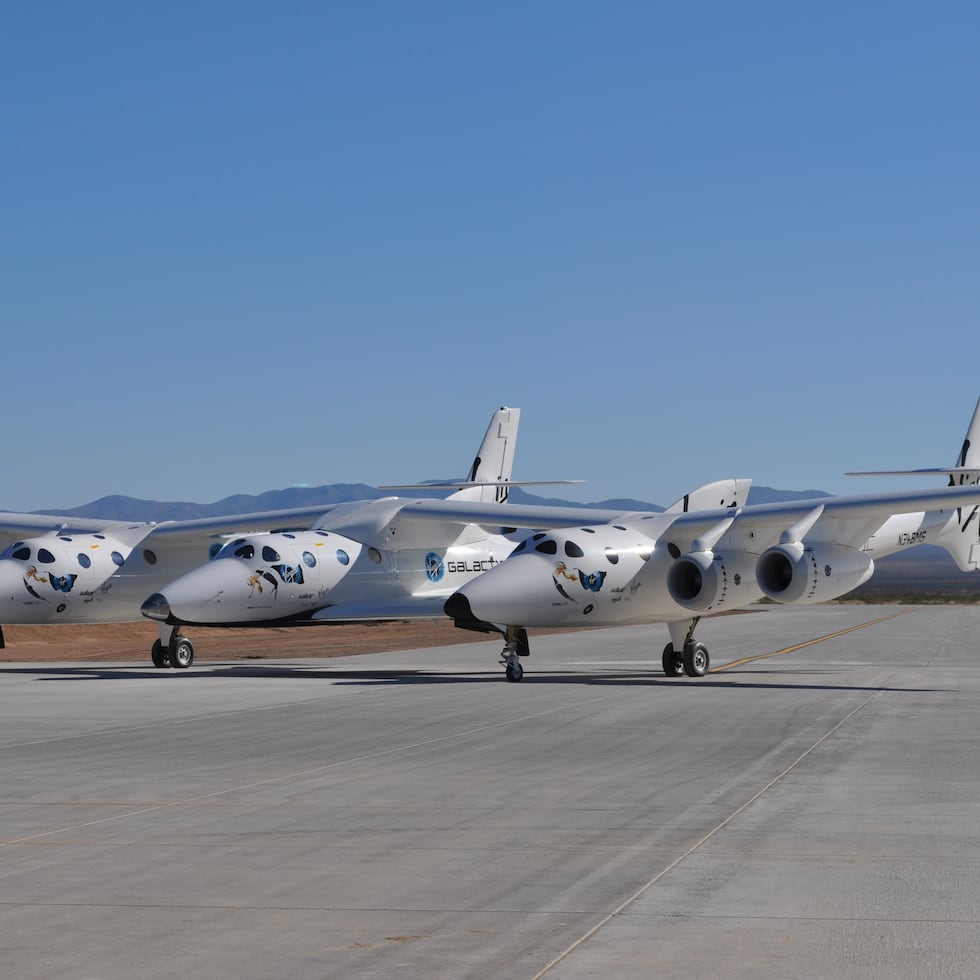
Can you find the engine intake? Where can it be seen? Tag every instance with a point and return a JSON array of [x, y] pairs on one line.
[[702, 580], [809, 573]]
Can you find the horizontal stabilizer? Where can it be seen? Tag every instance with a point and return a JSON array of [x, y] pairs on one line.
[[465, 485], [966, 472]]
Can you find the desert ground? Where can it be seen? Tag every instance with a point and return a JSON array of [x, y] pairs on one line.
[[132, 641]]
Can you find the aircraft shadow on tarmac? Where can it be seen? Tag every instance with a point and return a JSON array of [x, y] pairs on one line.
[[375, 678]]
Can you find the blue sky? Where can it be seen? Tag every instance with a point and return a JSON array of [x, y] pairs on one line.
[[245, 246]]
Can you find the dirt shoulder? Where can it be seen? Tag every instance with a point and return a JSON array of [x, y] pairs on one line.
[[132, 641], [116, 642]]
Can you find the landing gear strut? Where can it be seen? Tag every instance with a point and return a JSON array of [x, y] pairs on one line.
[[172, 649], [515, 647], [693, 658]]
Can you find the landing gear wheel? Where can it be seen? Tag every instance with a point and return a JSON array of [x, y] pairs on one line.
[[181, 652], [523, 646], [159, 655], [673, 662], [696, 660], [515, 671]]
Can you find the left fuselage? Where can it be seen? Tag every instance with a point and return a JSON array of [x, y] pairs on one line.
[[277, 578]]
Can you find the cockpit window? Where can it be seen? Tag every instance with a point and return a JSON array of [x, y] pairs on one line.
[[270, 554], [520, 547], [45, 556], [246, 551], [572, 550], [538, 536], [21, 552], [548, 547]]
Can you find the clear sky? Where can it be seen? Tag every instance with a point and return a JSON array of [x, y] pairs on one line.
[[250, 245]]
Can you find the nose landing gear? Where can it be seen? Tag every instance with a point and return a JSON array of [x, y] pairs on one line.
[[172, 649], [515, 646]]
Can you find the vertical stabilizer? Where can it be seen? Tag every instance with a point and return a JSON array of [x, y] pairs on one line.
[[961, 538], [494, 460], [969, 457]]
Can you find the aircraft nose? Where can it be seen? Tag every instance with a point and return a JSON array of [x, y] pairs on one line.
[[156, 607], [458, 607], [518, 591]]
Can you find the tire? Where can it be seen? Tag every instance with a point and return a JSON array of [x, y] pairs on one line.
[[181, 653], [159, 655], [515, 672], [696, 660], [672, 663]]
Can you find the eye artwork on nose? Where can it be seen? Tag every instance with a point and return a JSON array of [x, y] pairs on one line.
[[592, 582]]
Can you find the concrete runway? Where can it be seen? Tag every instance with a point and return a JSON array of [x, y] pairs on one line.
[[814, 813]]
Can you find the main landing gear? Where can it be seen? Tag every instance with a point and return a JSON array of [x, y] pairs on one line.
[[172, 649], [692, 659], [515, 647]]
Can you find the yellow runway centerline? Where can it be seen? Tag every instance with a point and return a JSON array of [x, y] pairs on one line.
[[808, 643]]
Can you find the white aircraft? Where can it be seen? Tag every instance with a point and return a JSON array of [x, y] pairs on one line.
[[360, 561], [90, 571], [611, 569]]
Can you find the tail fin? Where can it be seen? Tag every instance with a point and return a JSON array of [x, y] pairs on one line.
[[963, 473], [968, 462], [961, 537], [722, 494], [494, 460]]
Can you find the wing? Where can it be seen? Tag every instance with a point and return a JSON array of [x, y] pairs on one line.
[[15, 526], [847, 520]]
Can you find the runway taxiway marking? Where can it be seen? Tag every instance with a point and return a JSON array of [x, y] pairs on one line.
[[810, 643], [657, 878]]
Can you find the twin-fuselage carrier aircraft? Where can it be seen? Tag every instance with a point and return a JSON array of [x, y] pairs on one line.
[[463, 556], [349, 562]]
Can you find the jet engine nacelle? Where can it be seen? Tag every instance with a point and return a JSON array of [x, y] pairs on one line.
[[702, 580], [809, 573]]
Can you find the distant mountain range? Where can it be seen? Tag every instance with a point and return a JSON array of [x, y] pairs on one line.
[[119, 508]]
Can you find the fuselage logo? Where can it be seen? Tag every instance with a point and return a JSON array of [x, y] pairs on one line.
[[435, 568]]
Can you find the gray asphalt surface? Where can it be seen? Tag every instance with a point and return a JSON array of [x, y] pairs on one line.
[[813, 813]]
